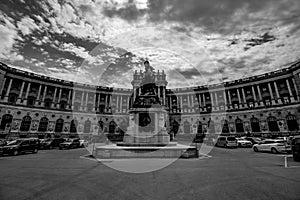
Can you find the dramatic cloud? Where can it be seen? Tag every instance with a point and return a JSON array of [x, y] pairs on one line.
[[193, 41]]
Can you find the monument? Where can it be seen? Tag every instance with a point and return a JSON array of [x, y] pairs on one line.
[[147, 135]]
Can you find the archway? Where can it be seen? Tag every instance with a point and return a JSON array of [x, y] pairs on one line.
[[255, 127], [6, 119], [175, 127], [112, 127], [43, 125], [239, 125], [59, 125], [292, 123], [73, 126], [225, 128], [25, 124], [272, 123]]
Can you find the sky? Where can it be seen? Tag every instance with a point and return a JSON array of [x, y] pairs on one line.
[[196, 42]]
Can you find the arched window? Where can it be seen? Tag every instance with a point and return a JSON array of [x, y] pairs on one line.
[[292, 122], [239, 126], [199, 128], [272, 123], [59, 125], [43, 125], [87, 126], [6, 119], [25, 124], [73, 126], [112, 127], [225, 128], [255, 125], [186, 127]]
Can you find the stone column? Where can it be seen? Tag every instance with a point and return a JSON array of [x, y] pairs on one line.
[[117, 104], [244, 97], [86, 101], [200, 102], [44, 95], [254, 96], [239, 97], [59, 97], [229, 99], [259, 94], [54, 98], [38, 95], [8, 90], [192, 103], [296, 89], [158, 91], [106, 102], [217, 102], [121, 103], [271, 93], [128, 100], [21, 92], [82, 101], [2, 87], [69, 98], [212, 101], [225, 99], [188, 101], [73, 98], [290, 91], [277, 93], [181, 103], [204, 103], [27, 93]]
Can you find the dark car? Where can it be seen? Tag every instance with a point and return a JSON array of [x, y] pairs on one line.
[[3, 142], [296, 148], [19, 146], [51, 143], [70, 143]]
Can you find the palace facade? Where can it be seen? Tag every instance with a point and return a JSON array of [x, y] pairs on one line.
[[36, 105]]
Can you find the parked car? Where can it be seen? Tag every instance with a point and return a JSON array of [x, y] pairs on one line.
[[227, 141], [243, 143], [84, 143], [253, 140], [51, 143], [296, 148], [70, 143], [273, 146], [19, 146], [3, 142]]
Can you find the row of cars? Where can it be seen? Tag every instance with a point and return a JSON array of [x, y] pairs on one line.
[[25, 145], [278, 145]]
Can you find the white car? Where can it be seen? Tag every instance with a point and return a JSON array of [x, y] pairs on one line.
[[273, 146], [243, 143]]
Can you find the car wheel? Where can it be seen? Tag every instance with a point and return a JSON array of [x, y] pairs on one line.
[[255, 149], [34, 150], [15, 153], [273, 150]]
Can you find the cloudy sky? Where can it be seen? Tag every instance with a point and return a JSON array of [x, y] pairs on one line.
[[193, 41]]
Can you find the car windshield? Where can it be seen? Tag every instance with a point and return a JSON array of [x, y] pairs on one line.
[[14, 142], [231, 139], [68, 140]]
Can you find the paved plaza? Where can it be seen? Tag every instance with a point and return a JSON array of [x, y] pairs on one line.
[[227, 174]]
